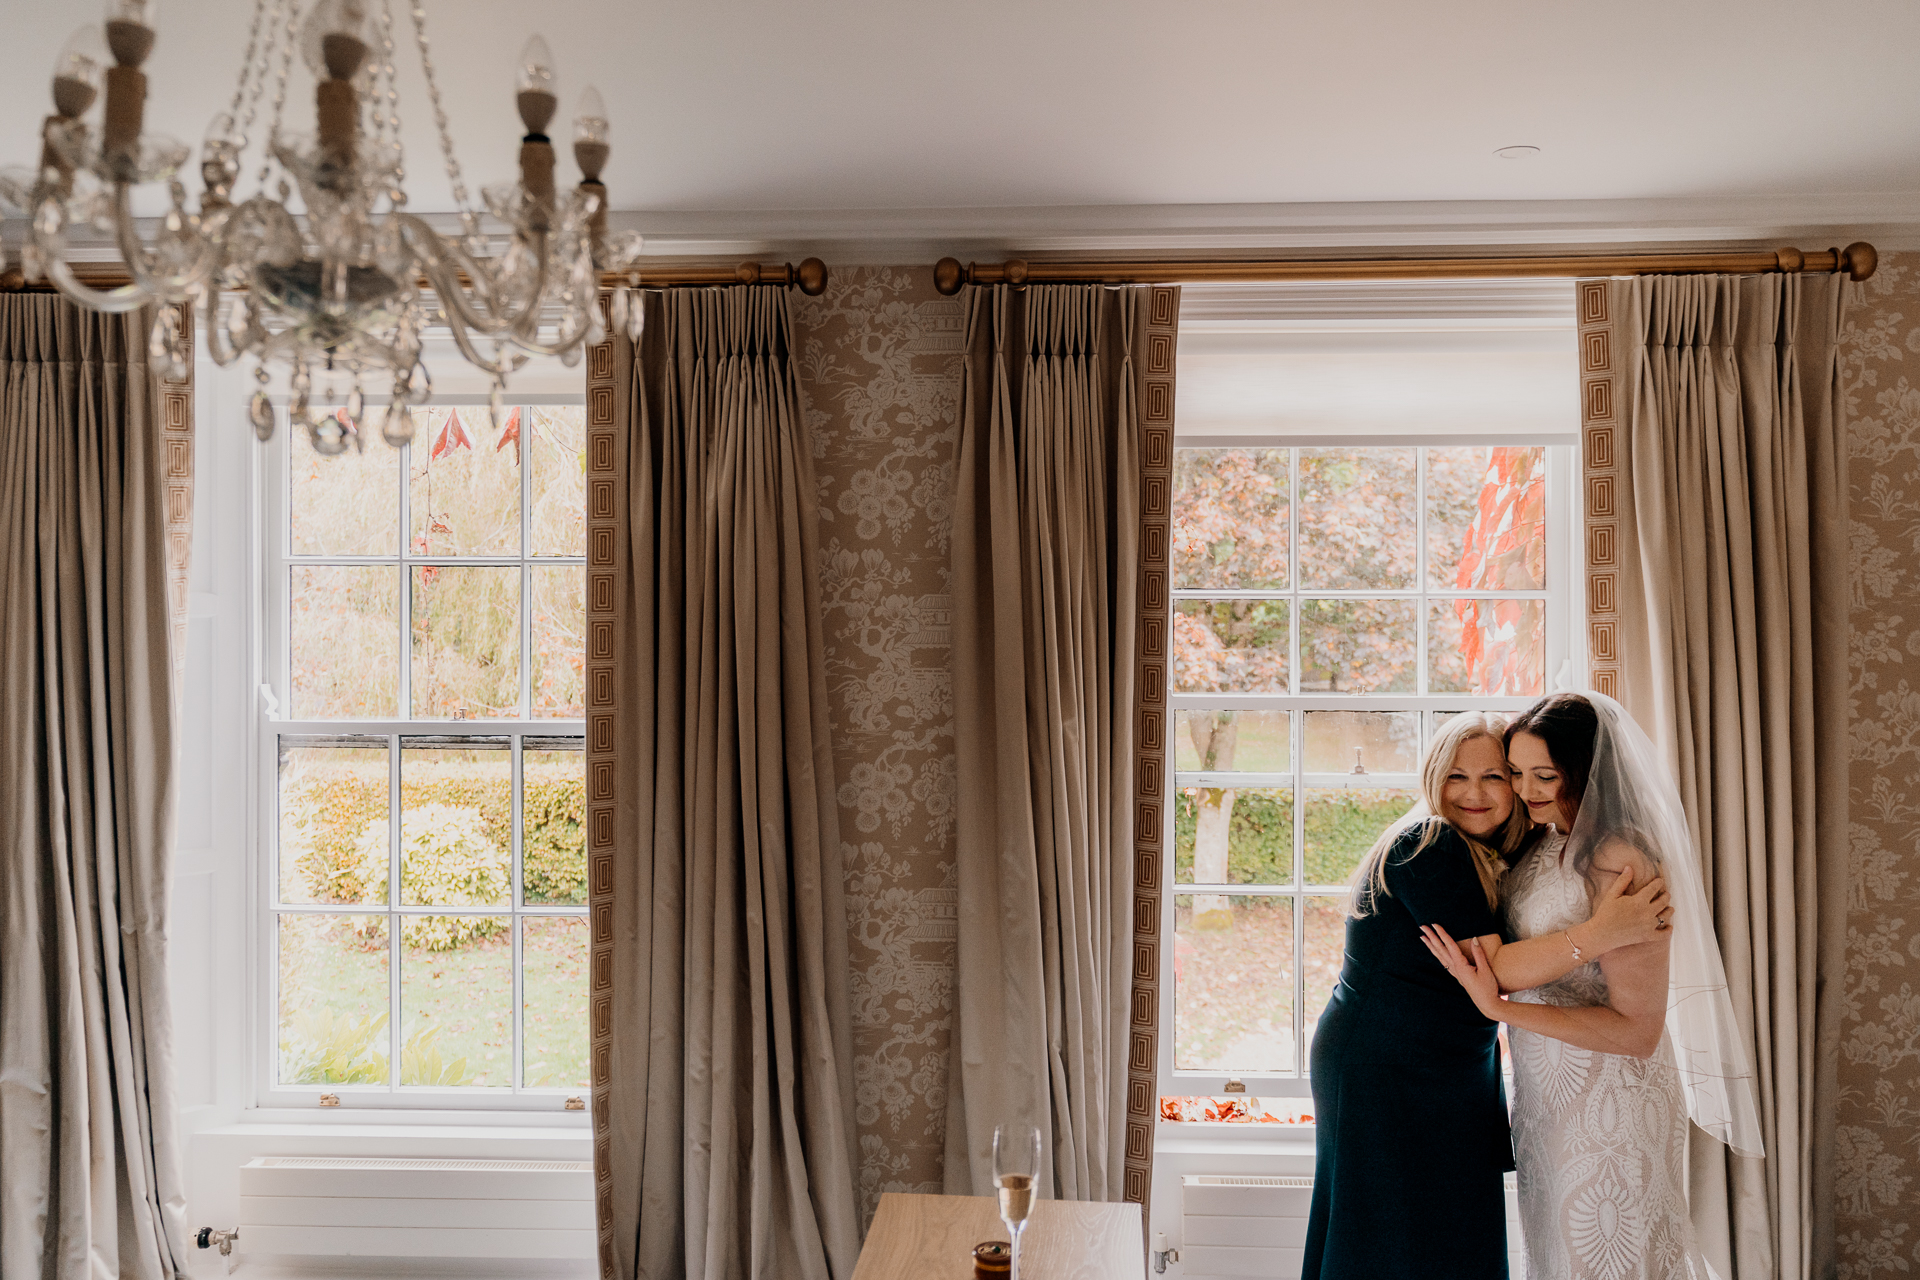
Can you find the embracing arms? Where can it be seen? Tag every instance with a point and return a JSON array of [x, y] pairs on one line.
[[1621, 918], [1630, 1023]]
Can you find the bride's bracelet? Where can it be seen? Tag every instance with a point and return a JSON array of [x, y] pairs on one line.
[[1578, 958]]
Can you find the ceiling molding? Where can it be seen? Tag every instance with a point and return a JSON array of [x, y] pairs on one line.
[[1889, 221]]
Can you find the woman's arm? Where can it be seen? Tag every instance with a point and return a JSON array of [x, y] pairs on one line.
[[1620, 919], [1630, 1023]]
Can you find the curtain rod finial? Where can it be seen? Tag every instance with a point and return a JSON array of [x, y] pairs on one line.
[[812, 277], [948, 276], [1859, 259]]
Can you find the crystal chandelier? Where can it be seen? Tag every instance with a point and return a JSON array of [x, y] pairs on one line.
[[347, 291]]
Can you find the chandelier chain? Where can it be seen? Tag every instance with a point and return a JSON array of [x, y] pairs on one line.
[[247, 76], [467, 216], [280, 86], [385, 106]]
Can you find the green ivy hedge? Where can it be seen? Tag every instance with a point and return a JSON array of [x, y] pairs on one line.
[[1340, 827]]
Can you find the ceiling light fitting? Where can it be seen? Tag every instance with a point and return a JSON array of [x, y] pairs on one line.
[[349, 290], [1517, 153]]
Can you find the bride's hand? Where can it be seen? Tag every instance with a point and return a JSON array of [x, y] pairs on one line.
[[1475, 974], [1622, 918]]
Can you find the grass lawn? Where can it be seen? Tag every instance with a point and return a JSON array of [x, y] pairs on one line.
[[334, 984]]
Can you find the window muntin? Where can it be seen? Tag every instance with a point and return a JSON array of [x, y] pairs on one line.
[[1332, 606], [426, 790]]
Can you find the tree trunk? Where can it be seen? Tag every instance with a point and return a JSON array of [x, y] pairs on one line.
[[1214, 734]]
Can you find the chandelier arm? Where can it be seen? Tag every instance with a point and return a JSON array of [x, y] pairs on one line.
[[139, 258], [457, 326], [441, 260], [221, 354], [52, 250]]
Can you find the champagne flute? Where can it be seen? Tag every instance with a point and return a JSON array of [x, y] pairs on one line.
[[1016, 1176]]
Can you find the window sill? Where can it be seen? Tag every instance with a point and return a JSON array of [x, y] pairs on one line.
[[1200, 1137], [397, 1122]]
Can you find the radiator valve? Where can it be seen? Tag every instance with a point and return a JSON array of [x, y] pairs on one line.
[[1161, 1254], [216, 1238]]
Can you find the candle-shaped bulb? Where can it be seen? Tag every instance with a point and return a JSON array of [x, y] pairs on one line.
[[590, 122], [333, 40], [536, 67], [76, 74], [130, 30], [535, 87]]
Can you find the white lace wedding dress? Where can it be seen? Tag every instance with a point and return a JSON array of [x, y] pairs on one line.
[[1600, 1139]]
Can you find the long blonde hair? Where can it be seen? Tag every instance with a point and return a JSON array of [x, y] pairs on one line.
[[1490, 857]]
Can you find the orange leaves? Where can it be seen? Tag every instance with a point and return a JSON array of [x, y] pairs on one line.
[[1505, 550]]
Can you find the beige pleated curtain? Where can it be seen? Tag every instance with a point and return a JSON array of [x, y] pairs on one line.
[[1717, 583], [1051, 850], [90, 1181], [721, 1023]]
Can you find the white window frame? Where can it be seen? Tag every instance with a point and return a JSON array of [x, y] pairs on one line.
[[273, 559], [1565, 661]]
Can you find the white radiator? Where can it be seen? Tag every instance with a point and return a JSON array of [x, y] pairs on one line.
[[1256, 1225], [337, 1206]]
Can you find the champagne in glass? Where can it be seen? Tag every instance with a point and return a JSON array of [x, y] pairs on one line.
[[1016, 1176]]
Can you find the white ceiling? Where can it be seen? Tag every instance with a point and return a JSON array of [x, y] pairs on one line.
[[869, 117]]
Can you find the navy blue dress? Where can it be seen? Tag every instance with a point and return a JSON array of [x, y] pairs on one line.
[[1411, 1139]]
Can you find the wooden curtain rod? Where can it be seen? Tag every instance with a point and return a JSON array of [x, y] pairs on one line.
[[1858, 260], [810, 276]]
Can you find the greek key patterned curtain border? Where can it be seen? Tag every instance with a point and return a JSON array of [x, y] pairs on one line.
[[1599, 394], [1150, 737]]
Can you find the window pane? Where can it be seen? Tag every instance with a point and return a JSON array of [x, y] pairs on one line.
[[1486, 519], [1230, 519], [1375, 741], [1233, 984], [1486, 646], [343, 506], [464, 495], [335, 817], [466, 642], [345, 638], [553, 832], [554, 952], [333, 1000], [1341, 824], [559, 480], [1228, 835], [1231, 645], [1250, 741], [456, 826], [1357, 518], [456, 1001], [1357, 646], [559, 640], [1326, 943]]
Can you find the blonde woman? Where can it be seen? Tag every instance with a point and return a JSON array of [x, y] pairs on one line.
[[1406, 1076], [1614, 1057]]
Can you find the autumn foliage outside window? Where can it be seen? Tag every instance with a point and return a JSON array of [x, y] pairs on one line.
[[1331, 607]]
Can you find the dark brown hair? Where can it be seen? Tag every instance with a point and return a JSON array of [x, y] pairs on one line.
[[1568, 724]]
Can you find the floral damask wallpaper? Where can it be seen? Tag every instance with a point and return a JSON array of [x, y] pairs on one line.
[[880, 384], [1879, 1134]]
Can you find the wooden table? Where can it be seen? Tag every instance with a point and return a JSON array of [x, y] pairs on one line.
[[932, 1238]]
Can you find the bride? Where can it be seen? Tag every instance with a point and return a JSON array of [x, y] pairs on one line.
[[1611, 1060]]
